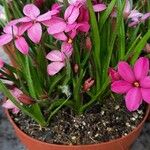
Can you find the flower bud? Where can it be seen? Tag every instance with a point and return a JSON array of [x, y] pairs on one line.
[[114, 75], [25, 99], [76, 68], [88, 43], [88, 84]]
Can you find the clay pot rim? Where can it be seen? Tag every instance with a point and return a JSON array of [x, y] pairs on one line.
[[88, 145]]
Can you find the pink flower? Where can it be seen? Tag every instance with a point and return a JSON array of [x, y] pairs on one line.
[[73, 29], [135, 83], [32, 21], [98, 7], [134, 16], [77, 8], [13, 32], [56, 27], [1, 63], [60, 30], [114, 75], [59, 58], [10, 105]]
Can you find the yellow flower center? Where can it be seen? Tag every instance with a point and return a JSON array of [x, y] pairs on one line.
[[136, 84], [70, 41]]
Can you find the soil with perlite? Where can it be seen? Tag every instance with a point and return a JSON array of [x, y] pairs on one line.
[[99, 124]]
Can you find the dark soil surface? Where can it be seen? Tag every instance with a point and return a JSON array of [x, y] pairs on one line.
[[99, 124]]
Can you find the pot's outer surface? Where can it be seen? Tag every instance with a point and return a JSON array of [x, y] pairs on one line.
[[123, 143]]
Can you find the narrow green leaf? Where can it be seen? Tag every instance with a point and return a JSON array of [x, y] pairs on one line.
[[106, 14], [140, 46], [32, 111]]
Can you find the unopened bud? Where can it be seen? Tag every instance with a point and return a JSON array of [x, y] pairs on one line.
[[76, 68], [114, 75], [88, 43], [25, 99], [88, 84]]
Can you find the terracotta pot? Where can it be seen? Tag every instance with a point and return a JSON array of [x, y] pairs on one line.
[[123, 143], [148, 117]]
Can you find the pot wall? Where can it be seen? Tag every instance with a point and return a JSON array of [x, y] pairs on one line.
[[123, 143]]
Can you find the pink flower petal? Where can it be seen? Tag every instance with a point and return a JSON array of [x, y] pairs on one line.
[[99, 7], [135, 14], [55, 55], [141, 68], [22, 45], [84, 27], [68, 11], [35, 33], [24, 27], [57, 25], [145, 17], [133, 99], [24, 19], [61, 36], [15, 110], [11, 30], [127, 8], [74, 15], [13, 22], [55, 67], [5, 38], [145, 82], [146, 95], [120, 87], [126, 72], [70, 27], [72, 34], [47, 15], [8, 104], [67, 49], [133, 24], [1, 63], [16, 93], [31, 11]]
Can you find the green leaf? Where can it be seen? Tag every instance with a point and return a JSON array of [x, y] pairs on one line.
[[96, 42], [140, 46], [29, 78], [106, 14], [33, 111], [56, 110]]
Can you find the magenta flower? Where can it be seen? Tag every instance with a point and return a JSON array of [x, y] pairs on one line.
[[56, 28], [77, 8], [9, 104], [13, 32], [32, 21], [135, 83], [59, 58], [73, 29], [60, 30]]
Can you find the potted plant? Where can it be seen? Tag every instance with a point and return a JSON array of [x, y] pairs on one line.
[[81, 79]]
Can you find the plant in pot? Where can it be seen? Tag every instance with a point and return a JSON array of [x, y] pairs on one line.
[[82, 78]]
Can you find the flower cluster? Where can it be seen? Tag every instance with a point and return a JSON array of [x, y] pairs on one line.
[[135, 83]]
